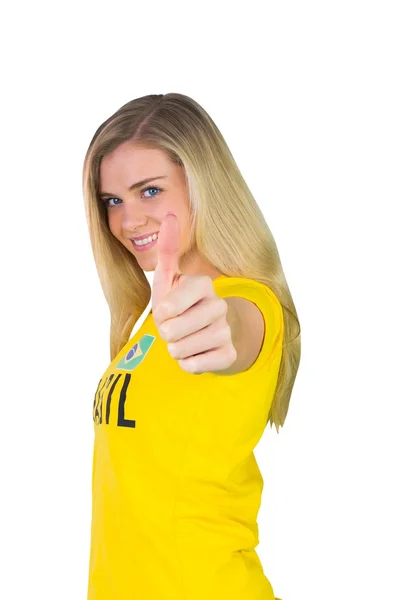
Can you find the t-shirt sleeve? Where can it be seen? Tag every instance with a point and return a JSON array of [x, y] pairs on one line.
[[267, 302]]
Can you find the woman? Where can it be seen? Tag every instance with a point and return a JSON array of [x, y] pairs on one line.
[[176, 488]]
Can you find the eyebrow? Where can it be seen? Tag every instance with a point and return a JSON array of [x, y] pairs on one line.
[[136, 185]]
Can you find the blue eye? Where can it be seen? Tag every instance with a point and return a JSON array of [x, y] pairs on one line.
[[152, 187], [107, 200]]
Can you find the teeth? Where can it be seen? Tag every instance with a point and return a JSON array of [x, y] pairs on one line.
[[151, 238]]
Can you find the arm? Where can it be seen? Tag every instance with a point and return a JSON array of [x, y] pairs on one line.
[[248, 328]]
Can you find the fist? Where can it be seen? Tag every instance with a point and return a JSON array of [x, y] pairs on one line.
[[188, 314]]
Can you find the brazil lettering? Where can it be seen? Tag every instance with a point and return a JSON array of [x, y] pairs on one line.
[[109, 392]]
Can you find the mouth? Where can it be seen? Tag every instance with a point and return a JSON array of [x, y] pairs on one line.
[[145, 235], [141, 247]]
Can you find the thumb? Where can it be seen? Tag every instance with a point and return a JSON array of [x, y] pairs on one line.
[[166, 273]]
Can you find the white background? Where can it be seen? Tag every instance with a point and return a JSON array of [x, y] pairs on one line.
[[307, 97]]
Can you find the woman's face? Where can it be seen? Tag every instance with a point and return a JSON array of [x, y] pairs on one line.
[[135, 211]]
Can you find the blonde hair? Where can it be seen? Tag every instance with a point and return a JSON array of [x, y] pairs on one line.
[[227, 227]]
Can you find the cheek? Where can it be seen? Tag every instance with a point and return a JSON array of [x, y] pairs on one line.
[[113, 224]]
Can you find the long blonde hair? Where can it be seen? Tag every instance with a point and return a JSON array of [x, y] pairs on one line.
[[227, 227]]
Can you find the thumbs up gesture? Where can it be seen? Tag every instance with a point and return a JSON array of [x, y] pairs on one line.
[[188, 314]]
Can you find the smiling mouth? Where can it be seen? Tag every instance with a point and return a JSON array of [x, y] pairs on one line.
[[146, 246], [141, 243], [144, 236]]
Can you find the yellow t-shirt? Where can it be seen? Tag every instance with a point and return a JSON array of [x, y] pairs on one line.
[[176, 487]]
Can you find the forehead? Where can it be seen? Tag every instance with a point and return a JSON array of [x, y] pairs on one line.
[[130, 163], [133, 157]]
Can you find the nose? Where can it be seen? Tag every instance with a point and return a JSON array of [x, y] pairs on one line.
[[133, 217]]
